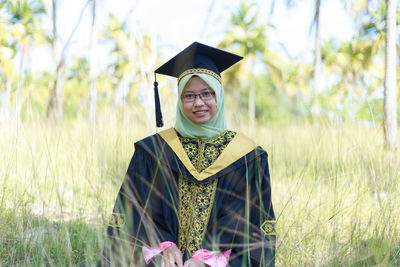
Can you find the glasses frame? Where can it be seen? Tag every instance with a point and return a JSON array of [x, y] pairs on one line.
[[212, 93]]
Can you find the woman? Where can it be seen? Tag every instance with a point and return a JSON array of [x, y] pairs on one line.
[[196, 194]]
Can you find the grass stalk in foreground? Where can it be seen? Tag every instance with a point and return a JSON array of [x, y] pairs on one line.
[[335, 192]]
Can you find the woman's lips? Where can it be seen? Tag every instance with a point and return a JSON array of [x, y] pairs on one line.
[[200, 113]]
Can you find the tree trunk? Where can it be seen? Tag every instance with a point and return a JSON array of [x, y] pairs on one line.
[[55, 106], [252, 106], [252, 96], [389, 102], [5, 103], [207, 19], [92, 69], [121, 90], [18, 102], [317, 59]]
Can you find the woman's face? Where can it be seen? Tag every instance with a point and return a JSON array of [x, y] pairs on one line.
[[203, 107]]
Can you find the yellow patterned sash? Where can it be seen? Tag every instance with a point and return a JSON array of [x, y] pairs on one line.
[[237, 148]]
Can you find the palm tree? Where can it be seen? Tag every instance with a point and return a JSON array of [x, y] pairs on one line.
[[133, 61], [55, 104], [24, 18], [92, 64], [77, 83], [390, 98], [317, 46], [351, 74], [8, 73], [247, 38], [381, 28], [350, 62], [121, 67]]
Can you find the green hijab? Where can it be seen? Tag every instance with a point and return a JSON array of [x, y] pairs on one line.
[[213, 127]]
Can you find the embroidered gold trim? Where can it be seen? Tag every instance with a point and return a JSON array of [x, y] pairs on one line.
[[185, 212], [268, 227], [195, 205], [196, 201], [199, 70], [117, 220], [237, 148]]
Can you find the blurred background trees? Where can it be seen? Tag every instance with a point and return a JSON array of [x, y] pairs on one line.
[[346, 81]]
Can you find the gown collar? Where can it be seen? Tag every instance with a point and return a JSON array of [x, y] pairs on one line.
[[239, 146]]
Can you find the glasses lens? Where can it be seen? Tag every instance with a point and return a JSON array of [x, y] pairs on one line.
[[206, 95], [203, 96], [189, 97]]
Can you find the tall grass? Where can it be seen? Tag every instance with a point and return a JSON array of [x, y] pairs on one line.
[[335, 192]]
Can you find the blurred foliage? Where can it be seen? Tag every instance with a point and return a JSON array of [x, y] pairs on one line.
[[268, 82]]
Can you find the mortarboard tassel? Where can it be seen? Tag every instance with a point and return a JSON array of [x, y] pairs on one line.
[[159, 119]]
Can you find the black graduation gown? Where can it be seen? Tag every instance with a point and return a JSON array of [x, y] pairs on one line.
[[242, 216]]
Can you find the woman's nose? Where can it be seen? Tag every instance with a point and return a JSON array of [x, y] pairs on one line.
[[198, 101]]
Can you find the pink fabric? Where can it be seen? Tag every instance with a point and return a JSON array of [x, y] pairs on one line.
[[150, 253], [211, 258]]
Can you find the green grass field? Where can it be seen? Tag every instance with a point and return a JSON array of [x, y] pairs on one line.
[[335, 192]]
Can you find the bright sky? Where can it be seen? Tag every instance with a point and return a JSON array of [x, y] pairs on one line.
[[174, 24]]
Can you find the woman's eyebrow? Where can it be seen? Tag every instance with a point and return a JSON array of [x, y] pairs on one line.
[[204, 89]]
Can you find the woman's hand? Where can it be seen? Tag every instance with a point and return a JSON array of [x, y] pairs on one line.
[[172, 256], [194, 263]]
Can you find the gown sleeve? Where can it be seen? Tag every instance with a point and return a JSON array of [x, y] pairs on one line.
[[244, 220], [138, 218]]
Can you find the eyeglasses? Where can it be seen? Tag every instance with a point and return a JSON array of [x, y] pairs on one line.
[[205, 96]]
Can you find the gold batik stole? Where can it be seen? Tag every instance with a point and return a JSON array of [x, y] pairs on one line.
[[196, 200]]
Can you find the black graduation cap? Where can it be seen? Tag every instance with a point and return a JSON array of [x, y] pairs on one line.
[[196, 58]]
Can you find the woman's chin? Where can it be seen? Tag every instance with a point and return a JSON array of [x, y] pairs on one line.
[[200, 120]]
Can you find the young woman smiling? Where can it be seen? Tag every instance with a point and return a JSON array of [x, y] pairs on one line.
[[196, 194], [198, 101]]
